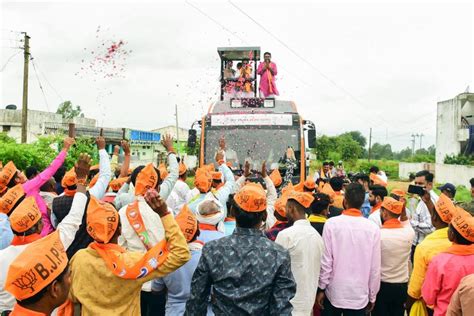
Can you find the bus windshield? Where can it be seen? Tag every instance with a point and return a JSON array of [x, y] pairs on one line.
[[254, 144]]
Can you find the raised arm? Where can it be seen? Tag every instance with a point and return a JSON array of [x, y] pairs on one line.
[[167, 186], [70, 224], [271, 198], [98, 190], [223, 193], [126, 159], [35, 184], [178, 248]]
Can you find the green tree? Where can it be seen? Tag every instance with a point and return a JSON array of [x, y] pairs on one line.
[[324, 145], [67, 110], [358, 137], [381, 151], [348, 148]]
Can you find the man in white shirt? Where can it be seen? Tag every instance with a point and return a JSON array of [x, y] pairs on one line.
[[306, 249], [376, 195], [396, 238], [421, 219], [180, 192], [67, 230], [151, 230]]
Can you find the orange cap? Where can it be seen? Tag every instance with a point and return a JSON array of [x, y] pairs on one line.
[[275, 176], [69, 179], [210, 167], [93, 181], [216, 176], [102, 220], [287, 189], [147, 179], [445, 208], [7, 173], [11, 198], [463, 222], [182, 168], [392, 205], [251, 198], [116, 184], [299, 187], [376, 179], [163, 170], [25, 215], [399, 192], [303, 198], [280, 205], [327, 189], [187, 222], [310, 184], [37, 266], [203, 180]]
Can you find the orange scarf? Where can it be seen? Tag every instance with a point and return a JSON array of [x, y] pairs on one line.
[[207, 227], [24, 240], [376, 207], [136, 221], [352, 212], [392, 223], [461, 250], [270, 77], [112, 255]]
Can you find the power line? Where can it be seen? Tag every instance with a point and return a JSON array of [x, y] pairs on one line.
[[305, 61], [49, 84], [39, 82], [9, 59]]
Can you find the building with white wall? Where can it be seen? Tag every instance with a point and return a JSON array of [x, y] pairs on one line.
[[38, 122], [455, 126]]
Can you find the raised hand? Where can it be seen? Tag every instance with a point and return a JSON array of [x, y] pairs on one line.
[[68, 142], [247, 169], [126, 147], [157, 204], [222, 143], [116, 150], [167, 141], [100, 141], [264, 169], [220, 156], [82, 167]]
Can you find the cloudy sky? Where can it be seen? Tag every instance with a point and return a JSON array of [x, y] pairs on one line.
[[348, 66]]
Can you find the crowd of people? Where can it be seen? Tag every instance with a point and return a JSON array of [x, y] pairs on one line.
[[111, 240]]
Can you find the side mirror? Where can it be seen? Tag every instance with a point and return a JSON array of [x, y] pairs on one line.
[[192, 138], [312, 138]]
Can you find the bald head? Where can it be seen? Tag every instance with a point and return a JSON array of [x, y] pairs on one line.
[[208, 208]]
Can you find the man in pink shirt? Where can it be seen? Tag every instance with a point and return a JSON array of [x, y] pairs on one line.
[[448, 268], [267, 71], [350, 267], [32, 187]]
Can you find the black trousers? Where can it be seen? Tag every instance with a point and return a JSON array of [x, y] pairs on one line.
[[330, 310], [152, 304], [390, 299]]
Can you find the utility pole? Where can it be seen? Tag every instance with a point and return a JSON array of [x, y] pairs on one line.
[[370, 143], [24, 109], [177, 128], [413, 144], [421, 137]]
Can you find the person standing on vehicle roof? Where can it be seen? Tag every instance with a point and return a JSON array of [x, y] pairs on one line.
[[267, 71]]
